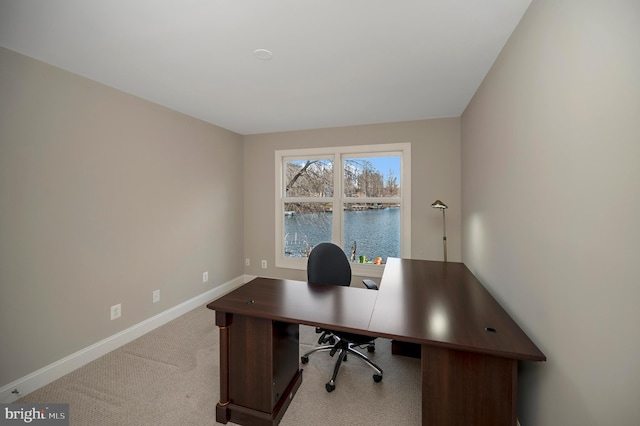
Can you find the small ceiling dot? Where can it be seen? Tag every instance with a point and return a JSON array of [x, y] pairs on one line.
[[263, 54]]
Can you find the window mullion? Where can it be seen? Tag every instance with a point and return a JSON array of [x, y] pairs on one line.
[[338, 189]]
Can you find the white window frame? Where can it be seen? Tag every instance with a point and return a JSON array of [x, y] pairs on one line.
[[403, 150]]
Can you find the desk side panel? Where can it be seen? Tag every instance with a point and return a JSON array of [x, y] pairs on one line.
[[250, 363], [466, 388]]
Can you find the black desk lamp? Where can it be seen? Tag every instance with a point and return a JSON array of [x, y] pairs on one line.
[[442, 206]]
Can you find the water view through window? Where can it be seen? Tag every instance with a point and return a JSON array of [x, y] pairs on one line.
[[374, 229]]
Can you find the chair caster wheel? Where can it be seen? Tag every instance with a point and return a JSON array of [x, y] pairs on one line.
[[304, 359], [329, 387], [377, 378], [371, 348]]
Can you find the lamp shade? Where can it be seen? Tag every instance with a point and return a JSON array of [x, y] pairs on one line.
[[437, 204]]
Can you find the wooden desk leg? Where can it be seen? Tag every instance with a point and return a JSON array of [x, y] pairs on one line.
[[223, 321], [465, 388]]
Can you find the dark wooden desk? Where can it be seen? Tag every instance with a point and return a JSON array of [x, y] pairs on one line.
[[470, 345]]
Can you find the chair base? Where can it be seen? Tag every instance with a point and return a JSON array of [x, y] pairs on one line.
[[343, 348]]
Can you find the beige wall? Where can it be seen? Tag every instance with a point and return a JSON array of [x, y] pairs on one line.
[[104, 198], [435, 165], [551, 201]]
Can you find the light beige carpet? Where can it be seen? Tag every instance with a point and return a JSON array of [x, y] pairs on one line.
[[170, 377]]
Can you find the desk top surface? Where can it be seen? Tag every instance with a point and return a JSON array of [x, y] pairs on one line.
[[340, 308], [419, 301], [444, 304]]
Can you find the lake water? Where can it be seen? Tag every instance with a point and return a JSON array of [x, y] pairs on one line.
[[376, 232]]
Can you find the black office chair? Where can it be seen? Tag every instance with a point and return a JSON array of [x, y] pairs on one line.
[[328, 264]]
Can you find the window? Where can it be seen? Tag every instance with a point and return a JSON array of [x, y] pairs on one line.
[[358, 197]]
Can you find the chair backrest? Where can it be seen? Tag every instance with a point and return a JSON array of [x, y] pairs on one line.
[[328, 264]]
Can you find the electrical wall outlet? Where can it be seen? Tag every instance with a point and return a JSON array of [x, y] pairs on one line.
[[205, 277], [156, 296], [247, 262], [116, 311], [264, 264]]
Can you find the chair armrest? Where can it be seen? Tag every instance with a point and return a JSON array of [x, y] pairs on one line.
[[370, 284]]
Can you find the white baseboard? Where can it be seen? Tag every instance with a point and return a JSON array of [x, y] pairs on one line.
[[51, 372]]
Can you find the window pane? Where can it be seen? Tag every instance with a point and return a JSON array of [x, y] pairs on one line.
[[305, 226], [309, 178], [373, 230], [372, 177]]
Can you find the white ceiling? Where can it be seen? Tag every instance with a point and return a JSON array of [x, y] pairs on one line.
[[335, 62]]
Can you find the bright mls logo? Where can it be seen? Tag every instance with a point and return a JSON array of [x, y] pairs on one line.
[[35, 414]]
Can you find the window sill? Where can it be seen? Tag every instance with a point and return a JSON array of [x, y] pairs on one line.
[[358, 269]]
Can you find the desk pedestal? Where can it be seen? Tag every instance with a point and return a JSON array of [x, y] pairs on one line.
[[467, 388], [259, 371]]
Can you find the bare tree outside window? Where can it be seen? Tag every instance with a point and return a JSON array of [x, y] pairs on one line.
[[311, 178]]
